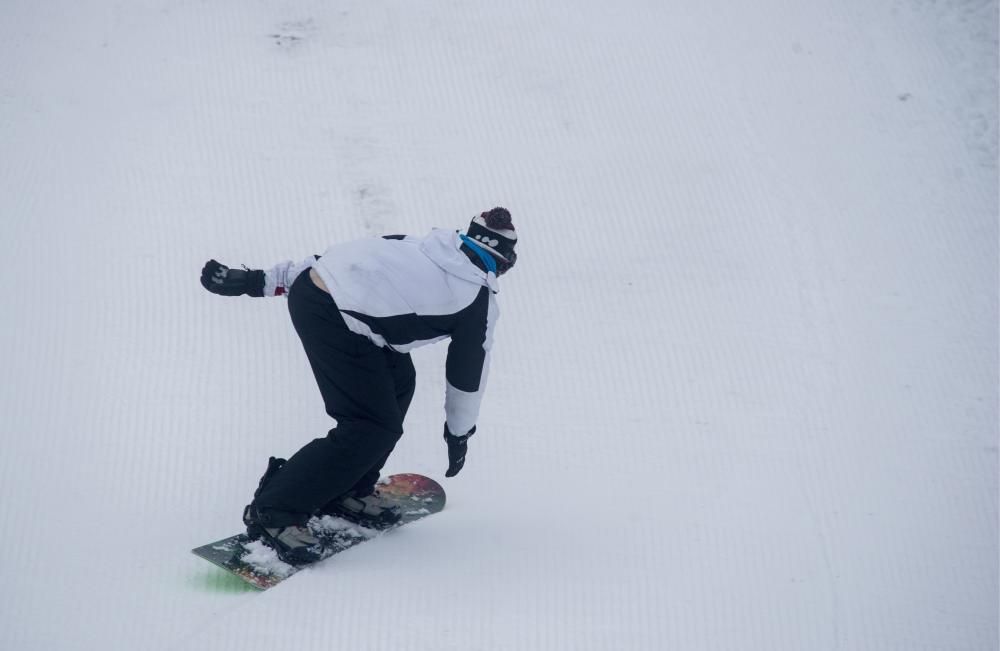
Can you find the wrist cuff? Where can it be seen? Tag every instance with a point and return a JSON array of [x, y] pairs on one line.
[[255, 283]]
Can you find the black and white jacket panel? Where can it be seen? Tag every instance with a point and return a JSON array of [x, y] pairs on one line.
[[406, 292]]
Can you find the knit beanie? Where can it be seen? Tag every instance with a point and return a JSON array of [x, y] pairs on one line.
[[494, 232]]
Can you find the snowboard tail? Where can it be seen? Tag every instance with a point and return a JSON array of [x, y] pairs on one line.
[[414, 495]]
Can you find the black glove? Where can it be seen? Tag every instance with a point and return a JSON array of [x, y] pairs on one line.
[[220, 279], [457, 447]]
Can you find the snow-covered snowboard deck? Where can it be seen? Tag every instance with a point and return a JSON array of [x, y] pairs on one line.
[[257, 564]]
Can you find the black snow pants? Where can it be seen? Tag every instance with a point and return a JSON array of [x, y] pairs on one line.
[[367, 389]]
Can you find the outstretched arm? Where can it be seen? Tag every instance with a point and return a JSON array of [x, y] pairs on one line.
[[220, 279]]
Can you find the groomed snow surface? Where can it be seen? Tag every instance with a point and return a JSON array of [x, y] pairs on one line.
[[744, 392]]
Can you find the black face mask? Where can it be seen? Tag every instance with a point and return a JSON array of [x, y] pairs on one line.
[[503, 266]]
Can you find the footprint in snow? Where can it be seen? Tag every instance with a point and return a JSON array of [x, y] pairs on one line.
[[293, 33]]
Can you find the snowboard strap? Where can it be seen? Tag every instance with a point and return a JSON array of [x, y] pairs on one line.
[[273, 466]]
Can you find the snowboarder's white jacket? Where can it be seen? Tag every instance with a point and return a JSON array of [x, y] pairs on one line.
[[404, 292]]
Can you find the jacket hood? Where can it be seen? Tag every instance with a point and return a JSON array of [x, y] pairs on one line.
[[442, 247]]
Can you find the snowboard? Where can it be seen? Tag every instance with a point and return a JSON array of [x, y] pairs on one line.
[[416, 497]]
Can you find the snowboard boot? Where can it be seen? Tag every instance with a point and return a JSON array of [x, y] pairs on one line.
[[368, 510], [288, 534], [294, 543]]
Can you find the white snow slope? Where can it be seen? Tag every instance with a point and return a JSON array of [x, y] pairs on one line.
[[744, 394]]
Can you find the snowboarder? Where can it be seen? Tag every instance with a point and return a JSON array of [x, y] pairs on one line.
[[359, 309]]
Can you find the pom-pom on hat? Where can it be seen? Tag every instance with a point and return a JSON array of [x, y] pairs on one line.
[[494, 232]]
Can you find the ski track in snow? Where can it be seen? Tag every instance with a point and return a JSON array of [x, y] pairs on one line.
[[744, 392]]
